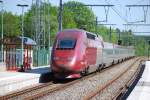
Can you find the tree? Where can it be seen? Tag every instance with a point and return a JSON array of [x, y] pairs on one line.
[[104, 32], [68, 19], [30, 19], [82, 15], [127, 37], [11, 24], [140, 47]]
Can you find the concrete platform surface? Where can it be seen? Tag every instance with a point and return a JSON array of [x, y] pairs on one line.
[[12, 81], [2, 66], [142, 89]]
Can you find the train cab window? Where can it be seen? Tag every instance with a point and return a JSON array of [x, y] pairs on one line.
[[66, 44], [90, 36]]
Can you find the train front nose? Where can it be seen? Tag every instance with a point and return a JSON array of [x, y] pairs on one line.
[[63, 63], [65, 68]]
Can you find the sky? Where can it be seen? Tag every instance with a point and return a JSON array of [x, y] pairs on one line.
[[118, 15]]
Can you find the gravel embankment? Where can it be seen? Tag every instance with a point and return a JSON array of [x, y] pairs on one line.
[[111, 91], [82, 88]]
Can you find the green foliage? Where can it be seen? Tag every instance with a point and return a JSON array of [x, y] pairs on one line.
[[68, 19], [127, 38], [28, 24], [30, 20], [11, 24], [114, 37], [140, 47], [82, 15], [105, 33]]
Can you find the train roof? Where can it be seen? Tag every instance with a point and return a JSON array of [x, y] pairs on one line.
[[112, 45], [81, 30], [68, 30]]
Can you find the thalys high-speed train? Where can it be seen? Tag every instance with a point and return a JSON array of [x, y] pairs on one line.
[[77, 52]]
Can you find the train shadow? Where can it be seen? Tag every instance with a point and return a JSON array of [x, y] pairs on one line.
[[62, 81], [49, 77], [46, 77]]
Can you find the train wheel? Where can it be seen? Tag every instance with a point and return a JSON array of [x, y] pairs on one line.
[[118, 62], [99, 67], [113, 62], [85, 72]]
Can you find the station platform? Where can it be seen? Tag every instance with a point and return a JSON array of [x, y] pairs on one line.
[[13, 81], [142, 89]]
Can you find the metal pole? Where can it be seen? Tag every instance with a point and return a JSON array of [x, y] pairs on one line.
[[148, 49], [44, 26], [60, 16], [148, 53], [49, 30], [22, 51], [2, 29], [119, 35], [22, 29], [110, 35], [96, 25]]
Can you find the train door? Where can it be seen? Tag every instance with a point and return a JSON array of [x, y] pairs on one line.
[[99, 58]]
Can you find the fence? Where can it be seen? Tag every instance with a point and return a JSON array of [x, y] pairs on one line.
[[41, 57], [37, 57]]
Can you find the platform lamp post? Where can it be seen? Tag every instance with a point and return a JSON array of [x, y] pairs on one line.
[[60, 16], [148, 49], [22, 34], [2, 29]]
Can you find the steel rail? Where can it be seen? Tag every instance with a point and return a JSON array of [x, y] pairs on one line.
[[101, 88], [21, 92], [124, 88]]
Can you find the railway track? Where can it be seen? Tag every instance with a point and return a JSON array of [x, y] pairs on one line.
[[40, 90], [45, 89], [15, 94], [98, 93]]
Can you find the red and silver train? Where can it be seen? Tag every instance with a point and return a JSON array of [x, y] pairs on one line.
[[77, 52]]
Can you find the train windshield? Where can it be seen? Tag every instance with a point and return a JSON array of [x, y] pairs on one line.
[[66, 44]]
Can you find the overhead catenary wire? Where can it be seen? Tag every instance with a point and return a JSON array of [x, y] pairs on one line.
[[145, 10], [139, 2], [117, 12]]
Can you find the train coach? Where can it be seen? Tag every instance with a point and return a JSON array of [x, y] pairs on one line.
[[77, 52]]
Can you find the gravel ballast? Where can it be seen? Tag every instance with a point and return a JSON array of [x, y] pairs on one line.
[[84, 87]]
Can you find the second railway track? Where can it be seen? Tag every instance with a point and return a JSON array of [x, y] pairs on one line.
[[116, 86]]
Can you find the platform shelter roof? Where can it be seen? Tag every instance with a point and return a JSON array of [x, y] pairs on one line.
[[17, 41]]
